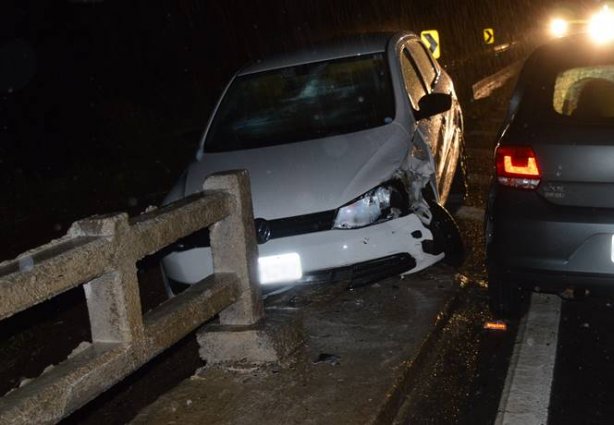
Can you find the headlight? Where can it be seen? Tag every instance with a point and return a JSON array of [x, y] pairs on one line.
[[601, 26], [383, 203], [559, 27]]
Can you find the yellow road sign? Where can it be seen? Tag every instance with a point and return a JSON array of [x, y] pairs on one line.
[[489, 36], [431, 40]]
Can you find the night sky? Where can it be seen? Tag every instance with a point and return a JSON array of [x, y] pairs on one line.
[[102, 102]]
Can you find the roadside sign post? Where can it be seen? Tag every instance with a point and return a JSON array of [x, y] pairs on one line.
[[489, 36], [430, 38]]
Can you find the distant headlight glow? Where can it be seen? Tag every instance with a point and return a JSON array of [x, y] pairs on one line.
[[559, 27], [601, 26]]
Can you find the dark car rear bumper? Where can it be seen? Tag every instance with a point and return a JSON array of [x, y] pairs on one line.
[[548, 281], [543, 245]]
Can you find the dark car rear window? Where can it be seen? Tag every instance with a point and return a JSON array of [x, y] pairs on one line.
[[565, 86], [585, 92], [303, 102]]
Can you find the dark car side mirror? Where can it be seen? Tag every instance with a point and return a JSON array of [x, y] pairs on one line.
[[433, 104]]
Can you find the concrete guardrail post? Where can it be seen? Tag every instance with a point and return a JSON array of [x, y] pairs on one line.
[[243, 333], [234, 248], [113, 299]]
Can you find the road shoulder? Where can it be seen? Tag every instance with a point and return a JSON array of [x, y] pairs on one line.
[[367, 341]]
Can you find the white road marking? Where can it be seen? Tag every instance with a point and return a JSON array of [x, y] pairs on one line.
[[526, 395]]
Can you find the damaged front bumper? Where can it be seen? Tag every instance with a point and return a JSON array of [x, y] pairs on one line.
[[322, 251]]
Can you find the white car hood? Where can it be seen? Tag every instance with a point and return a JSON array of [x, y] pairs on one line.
[[311, 176]]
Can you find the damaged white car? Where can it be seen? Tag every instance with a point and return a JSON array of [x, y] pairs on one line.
[[351, 148]]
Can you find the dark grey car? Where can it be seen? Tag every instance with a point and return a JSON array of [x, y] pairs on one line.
[[550, 215]]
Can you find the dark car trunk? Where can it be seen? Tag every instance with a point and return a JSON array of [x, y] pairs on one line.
[[577, 164]]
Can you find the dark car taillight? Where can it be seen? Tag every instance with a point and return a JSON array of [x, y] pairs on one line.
[[517, 166]]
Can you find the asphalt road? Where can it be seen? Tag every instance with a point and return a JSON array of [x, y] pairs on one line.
[[584, 371]]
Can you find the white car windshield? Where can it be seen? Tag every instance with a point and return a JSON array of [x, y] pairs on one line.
[[303, 102]]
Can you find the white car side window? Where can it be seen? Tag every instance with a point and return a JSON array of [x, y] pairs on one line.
[[413, 81], [425, 63]]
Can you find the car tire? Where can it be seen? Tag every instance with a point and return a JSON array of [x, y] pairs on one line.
[[504, 297], [446, 236]]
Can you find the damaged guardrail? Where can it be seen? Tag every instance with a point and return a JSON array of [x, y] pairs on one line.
[[100, 253]]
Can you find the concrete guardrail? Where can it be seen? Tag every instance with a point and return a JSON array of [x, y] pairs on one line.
[[100, 253]]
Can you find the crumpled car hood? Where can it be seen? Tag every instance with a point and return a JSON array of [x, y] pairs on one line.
[[311, 176]]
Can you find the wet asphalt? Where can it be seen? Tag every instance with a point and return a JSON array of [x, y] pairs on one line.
[[462, 384], [582, 390]]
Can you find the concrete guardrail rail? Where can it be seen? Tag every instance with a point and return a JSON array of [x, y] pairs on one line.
[[100, 253]]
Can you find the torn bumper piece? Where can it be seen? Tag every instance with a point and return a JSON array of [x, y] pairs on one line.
[[321, 252]]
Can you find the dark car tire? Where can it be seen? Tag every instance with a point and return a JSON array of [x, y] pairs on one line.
[[504, 297], [446, 235]]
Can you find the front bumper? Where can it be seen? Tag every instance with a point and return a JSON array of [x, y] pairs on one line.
[[543, 245], [323, 251]]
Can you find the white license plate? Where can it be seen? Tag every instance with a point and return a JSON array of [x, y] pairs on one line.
[[280, 268]]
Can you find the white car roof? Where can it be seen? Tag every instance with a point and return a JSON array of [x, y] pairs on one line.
[[347, 47]]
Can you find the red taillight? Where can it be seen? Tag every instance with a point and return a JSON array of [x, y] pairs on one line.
[[517, 166]]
